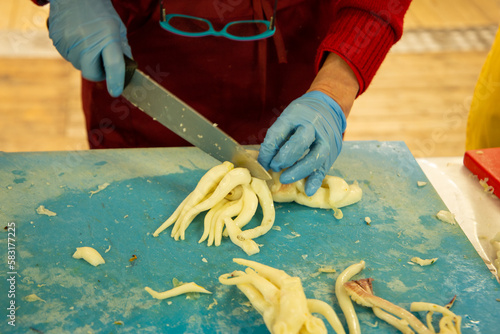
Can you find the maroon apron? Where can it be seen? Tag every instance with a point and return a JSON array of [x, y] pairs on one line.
[[241, 86]]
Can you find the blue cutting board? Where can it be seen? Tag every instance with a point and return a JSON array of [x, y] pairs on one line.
[[146, 185]]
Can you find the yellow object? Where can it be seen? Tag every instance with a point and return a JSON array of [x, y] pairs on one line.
[[483, 125]]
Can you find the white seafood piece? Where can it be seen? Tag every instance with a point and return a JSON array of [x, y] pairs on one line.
[[334, 193], [89, 254], [179, 290]]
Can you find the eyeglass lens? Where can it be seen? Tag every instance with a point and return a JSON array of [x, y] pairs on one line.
[[246, 29], [188, 24]]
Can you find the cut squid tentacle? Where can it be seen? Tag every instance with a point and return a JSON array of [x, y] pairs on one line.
[[233, 178], [320, 307], [250, 204], [266, 202], [209, 219], [172, 217], [343, 298], [275, 276], [230, 211], [248, 245], [184, 288], [207, 182]]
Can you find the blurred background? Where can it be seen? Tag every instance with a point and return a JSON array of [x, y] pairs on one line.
[[421, 94]]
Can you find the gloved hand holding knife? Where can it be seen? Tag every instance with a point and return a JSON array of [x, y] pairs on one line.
[[91, 36]]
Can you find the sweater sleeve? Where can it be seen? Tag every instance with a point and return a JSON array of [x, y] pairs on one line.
[[362, 33]]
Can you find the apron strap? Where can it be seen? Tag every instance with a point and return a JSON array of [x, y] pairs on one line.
[[278, 36], [261, 7]]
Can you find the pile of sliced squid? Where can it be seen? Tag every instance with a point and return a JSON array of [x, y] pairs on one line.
[[230, 197], [282, 303]]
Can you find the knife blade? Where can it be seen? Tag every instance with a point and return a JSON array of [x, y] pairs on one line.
[[164, 107]]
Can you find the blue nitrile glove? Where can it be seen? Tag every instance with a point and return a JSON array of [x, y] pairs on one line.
[[310, 128], [91, 35]]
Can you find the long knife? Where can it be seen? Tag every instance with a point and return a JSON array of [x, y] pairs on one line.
[[147, 95]]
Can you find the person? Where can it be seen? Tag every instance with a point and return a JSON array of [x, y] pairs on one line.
[[290, 92], [483, 123]]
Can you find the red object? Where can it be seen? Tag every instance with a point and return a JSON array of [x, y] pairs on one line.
[[241, 86], [485, 163]]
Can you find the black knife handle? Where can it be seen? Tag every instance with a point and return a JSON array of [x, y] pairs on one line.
[[130, 67]]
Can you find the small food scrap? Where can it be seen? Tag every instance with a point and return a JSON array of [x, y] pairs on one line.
[[327, 269], [178, 290], [108, 249], [293, 236], [368, 220], [446, 216], [281, 300], [33, 298], [204, 260], [119, 322], [423, 262], [89, 254], [133, 258], [99, 188], [421, 183], [211, 306], [451, 302], [487, 188], [41, 210], [495, 243]]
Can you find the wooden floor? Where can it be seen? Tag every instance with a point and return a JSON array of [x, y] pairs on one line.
[[420, 96]]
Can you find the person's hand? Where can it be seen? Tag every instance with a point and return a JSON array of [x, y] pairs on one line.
[[91, 35], [306, 139]]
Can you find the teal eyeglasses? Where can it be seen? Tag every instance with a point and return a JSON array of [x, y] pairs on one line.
[[192, 26]]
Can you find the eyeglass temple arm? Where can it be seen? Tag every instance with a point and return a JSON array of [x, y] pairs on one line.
[[162, 11], [272, 21]]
